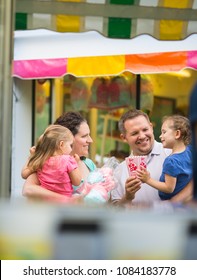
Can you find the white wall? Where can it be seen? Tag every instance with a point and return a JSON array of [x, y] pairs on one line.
[[22, 131]]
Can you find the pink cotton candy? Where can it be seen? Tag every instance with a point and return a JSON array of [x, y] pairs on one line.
[[103, 187]]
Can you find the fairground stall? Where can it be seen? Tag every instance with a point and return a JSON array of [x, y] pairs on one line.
[[61, 64], [100, 77]]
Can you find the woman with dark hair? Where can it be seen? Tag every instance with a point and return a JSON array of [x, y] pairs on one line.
[[82, 140]]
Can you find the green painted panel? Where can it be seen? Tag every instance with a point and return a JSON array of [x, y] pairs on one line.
[[119, 28], [21, 21], [122, 2]]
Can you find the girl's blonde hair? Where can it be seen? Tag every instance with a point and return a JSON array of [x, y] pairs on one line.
[[180, 123], [48, 144]]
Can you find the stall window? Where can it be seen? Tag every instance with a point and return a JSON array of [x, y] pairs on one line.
[[42, 107], [163, 106]]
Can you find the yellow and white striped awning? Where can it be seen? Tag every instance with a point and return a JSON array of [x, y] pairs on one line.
[[104, 37], [162, 19]]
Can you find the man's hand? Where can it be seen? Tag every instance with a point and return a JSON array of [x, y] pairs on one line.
[[132, 185]]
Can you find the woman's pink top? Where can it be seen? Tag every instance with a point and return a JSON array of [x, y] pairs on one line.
[[54, 175]]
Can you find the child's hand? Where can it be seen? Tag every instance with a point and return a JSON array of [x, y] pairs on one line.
[[143, 174], [76, 157], [32, 150]]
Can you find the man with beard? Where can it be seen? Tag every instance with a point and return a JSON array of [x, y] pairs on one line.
[[137, 130]]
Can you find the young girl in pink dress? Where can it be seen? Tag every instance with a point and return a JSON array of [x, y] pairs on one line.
[[56, 169]]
